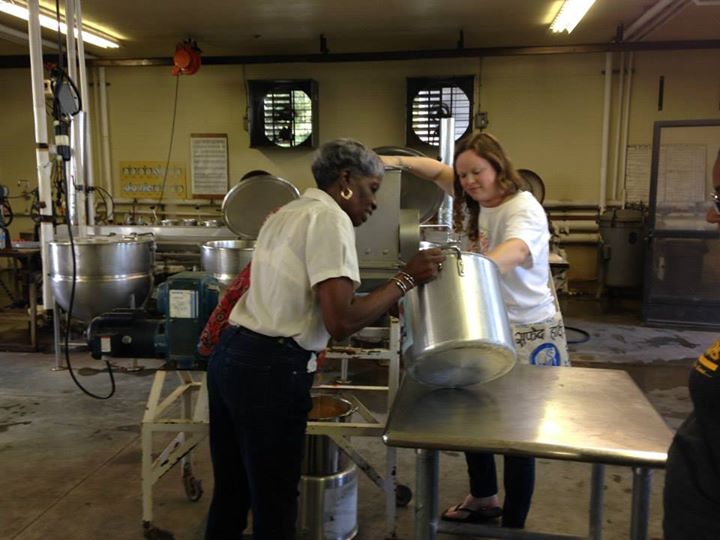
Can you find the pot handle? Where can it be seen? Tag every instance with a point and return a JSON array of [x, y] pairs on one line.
[[458, 252]]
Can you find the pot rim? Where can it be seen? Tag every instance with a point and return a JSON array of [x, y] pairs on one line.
[[104, 241], [217, 245]]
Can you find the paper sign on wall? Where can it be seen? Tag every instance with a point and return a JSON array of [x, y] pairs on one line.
[[209, 165], [144, 180], [637, 173]]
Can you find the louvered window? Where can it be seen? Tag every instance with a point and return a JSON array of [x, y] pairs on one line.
[[283, 113], [288, 117], [430, 100]]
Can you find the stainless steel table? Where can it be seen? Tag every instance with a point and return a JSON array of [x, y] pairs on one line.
[[597, 416]]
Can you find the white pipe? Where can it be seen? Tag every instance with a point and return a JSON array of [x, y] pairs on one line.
[[579, 238], [105, 132], [572, 214], [85, 134], [95, 124], [605, 131], [568, 227], [42, 153], [569, 204], [478, 87], [78, 170], [447, 153], [561, 218], [75, 180], [618, 123], [626, 128], [551, 204], [643, 19]]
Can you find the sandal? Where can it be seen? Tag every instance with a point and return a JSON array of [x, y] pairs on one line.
[[483, 515]]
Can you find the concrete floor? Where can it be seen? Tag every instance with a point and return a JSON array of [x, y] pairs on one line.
[[71, 464]]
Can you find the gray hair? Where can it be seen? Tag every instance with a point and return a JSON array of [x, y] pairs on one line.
[[344, 154]]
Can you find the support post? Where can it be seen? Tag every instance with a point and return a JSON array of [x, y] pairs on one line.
[[640, 503], [426, 495], [596, 501]]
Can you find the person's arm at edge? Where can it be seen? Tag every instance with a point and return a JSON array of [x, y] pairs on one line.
[[425, 168], [712, 215]]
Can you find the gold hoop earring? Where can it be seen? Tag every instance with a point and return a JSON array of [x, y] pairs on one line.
[[346, 194]]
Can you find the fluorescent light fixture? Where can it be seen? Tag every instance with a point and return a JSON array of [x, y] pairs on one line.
[[570, 14], [49, 22]]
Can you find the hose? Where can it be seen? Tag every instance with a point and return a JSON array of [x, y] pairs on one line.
[[584, 339]]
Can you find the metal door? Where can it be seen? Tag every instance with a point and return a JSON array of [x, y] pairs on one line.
[[682, 270]]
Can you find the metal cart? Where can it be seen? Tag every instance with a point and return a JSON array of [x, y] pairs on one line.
[[184, 411], [191, 427], [395, 494]]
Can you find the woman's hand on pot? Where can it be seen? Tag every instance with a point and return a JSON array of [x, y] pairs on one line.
[[425, 265]]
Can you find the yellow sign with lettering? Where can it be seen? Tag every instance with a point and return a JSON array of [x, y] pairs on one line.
[[144, 180]]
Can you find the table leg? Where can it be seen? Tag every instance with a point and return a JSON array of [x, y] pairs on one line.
[[426, 494], [596, 501], [390, 486], [32, 286], [640, 503], [57, 339]]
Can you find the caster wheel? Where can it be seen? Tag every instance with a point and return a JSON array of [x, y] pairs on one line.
[[154, 533], [403, 495], [193, 488]]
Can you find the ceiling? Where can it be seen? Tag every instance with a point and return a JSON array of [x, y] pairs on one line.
[[151, 29]]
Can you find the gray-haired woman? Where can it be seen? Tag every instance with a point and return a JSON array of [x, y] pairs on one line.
[[304, 274]]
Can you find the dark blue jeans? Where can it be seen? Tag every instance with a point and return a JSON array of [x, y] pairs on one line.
[[519, 483], [259, 398]]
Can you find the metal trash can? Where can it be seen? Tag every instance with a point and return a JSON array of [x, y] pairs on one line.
[[329, 482], [623, 247]]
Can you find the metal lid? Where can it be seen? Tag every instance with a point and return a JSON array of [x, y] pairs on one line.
[[533, 183], [246, 205], [419, 194], [415, 193]]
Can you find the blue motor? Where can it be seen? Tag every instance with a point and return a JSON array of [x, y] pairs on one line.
[[184, 302]]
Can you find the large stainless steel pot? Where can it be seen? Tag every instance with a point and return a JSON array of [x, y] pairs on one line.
[[111, 272], [456, 327], [322, 457], [224, 259]]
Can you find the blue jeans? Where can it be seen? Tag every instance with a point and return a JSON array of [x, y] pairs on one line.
[[259, 398], [519, 483]]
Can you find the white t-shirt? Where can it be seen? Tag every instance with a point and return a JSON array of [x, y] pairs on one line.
[[525, 288], [307, 241]]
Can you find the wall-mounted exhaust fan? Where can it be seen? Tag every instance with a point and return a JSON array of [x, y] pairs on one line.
[[431, 98], [283, 113]]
